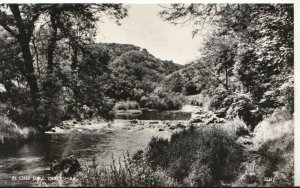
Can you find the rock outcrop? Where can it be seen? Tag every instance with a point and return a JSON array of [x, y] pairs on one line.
[[68, 166]]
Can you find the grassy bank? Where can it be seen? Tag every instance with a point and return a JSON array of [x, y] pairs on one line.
[[126, 105], [203, 156], [11, 133]]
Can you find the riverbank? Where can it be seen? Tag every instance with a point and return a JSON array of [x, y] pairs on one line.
[[163, 152], [213, 153], [86, 140], [94, 125], [12, 134]]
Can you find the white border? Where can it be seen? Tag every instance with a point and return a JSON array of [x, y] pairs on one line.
[[148, 1], [297, 94], [296, 49]]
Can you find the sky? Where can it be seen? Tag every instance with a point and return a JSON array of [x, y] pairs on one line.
[[144, 28]]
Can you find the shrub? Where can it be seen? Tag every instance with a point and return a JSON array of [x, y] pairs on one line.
[[236, 127], [191, 88], [209, 148], [163, 100], [197, 102], [130, 172], [82, 110], [275, 126], [278, 159], [240, 105], [218, 100], [126, 105], [11, 133], [157, 152], [274, 160]]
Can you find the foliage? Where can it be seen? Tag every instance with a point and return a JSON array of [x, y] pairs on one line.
[[126, 105], [272, 165], [275, 126], [277, 158], [235, 127], [249, 51], [135, 72], [162, 100], [129, 172], [11, 133], [209, 149], [44, 38], [190, 79], [197, 102], [230, 106]]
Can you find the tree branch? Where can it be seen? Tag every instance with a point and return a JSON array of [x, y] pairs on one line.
[[9, 30]]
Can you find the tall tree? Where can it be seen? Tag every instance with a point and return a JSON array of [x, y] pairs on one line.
[[22, 28], [72, 22], [263, 58]]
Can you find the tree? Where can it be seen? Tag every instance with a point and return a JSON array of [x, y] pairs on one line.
[[262, 58], [74, 23], [22, 28]]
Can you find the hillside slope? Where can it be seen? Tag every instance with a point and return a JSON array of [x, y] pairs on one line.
[[134, 72], [190, 79]]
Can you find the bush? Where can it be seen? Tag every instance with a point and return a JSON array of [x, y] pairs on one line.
[[240, 105], [130, 172], [210, 149], [10, 133], [274, 160], [236, 127], [87, 110], [157, 152], [277, 160], [126, 105], [191, 88], [197, 102], [273, 127], [162, 100]]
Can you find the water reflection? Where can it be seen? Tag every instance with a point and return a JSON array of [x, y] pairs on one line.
[[155, 115], [35, 157]]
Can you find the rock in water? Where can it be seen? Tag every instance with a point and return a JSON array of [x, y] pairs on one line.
[[181, 125], [153, 122], [134, 121], [68, 166]]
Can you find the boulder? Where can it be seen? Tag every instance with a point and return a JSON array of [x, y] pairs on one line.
[[134, 121], [153, 122], [196, 119], [161, 129], [222, 120], [181, 126], [245, 140], [68, 166], [168, 124], [172, 127]]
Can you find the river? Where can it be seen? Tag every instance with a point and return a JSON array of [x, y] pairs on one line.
[[85, 140]]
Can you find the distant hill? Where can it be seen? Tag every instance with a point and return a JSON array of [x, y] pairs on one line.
[[135, 54], [134, 71], [191, 79]]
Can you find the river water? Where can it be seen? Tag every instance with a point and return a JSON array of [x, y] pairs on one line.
[[85, 140]]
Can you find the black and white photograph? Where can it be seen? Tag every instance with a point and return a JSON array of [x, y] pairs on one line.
[[156, 94]]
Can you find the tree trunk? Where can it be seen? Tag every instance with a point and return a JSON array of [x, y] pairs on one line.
[[24, 36], [30, 75], [52, 40], [226, 79], [74, 58]]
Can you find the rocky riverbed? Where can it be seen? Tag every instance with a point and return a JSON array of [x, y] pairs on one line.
[[84, 140], [86, 126]]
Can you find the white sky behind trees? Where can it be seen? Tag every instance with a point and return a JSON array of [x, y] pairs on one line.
[[145, 28]]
